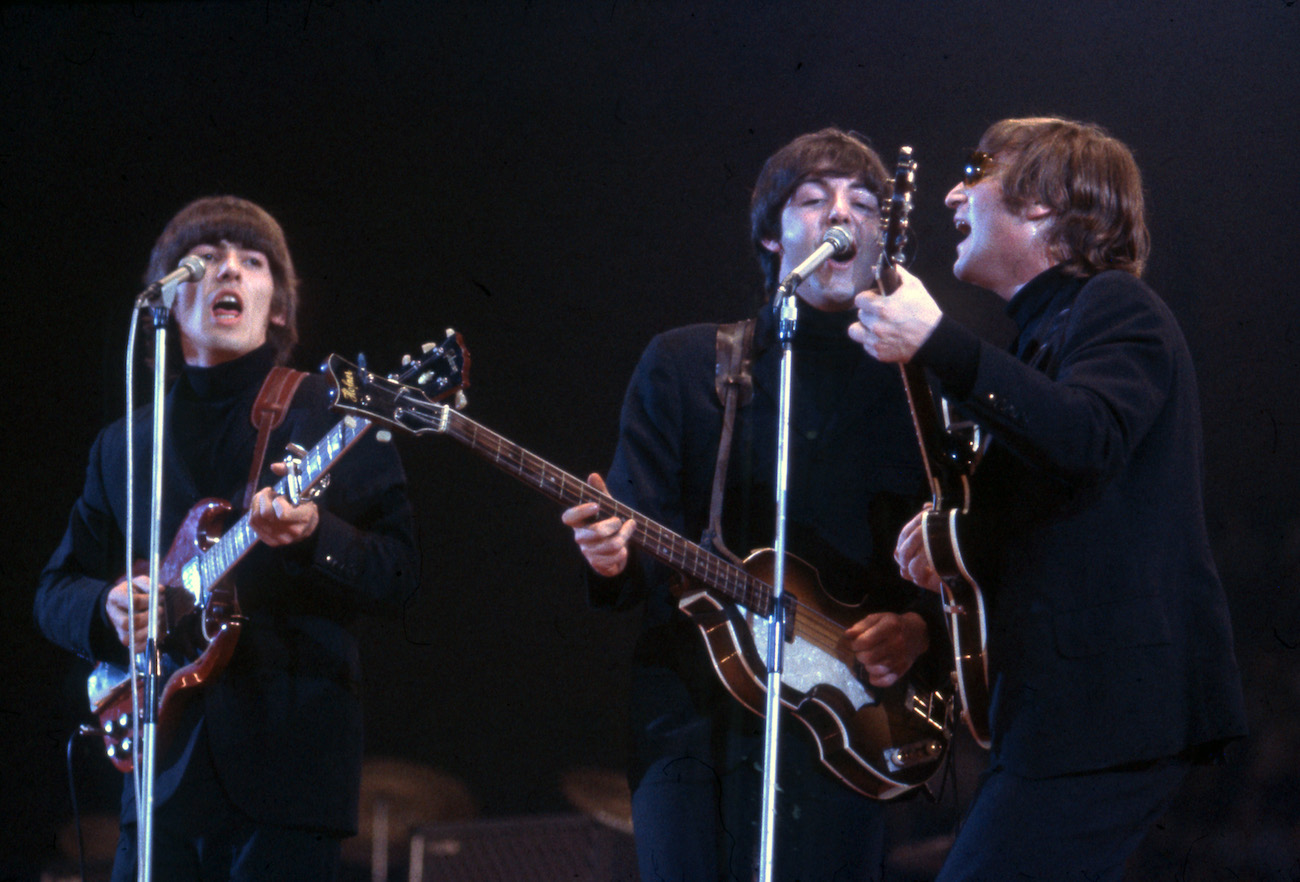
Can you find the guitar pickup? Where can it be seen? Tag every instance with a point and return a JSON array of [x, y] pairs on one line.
[[967, 441], [908, 755], [786, 612]]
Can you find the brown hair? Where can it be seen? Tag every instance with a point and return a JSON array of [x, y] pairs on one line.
[[829, 151], [1089, 181], [214, 219]]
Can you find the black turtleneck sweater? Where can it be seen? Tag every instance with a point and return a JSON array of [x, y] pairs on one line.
[[283, 718]]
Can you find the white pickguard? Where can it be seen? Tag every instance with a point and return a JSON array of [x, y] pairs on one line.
[[807, 665]]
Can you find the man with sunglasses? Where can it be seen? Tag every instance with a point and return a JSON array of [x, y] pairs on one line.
[[1110, 653]]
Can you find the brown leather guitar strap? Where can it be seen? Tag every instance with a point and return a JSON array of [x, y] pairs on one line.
[[268, 412], [735, 387]]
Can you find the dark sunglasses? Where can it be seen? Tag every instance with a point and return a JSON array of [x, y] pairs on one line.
[[978, 164]]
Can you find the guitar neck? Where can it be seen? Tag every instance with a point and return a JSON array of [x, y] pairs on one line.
[[658, 541], [925, 419], [930, 435], [216, 562]]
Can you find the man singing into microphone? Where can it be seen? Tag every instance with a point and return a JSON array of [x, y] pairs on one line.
[[1109, 646], [260, 779], [696, 763]]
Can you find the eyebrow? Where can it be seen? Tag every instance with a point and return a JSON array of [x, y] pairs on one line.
[[227, 243], [822, 181]]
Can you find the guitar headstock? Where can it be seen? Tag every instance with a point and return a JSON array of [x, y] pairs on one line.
[[403, 400], [900, 208]]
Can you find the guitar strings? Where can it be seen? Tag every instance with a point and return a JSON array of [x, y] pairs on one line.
[[809, 623]]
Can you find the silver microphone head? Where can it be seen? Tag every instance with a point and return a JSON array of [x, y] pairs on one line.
[[195, 265], [842, 239]]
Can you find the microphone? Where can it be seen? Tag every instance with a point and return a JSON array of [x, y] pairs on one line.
[[191, 269], [837, 243]]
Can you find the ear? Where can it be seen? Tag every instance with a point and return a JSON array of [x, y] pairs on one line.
[[771, 245], [279, 319]]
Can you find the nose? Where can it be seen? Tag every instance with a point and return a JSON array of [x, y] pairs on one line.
[[841, 208], [227, 264], [956, 196]]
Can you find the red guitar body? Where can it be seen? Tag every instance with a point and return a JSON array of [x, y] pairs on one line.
[[204, 637]]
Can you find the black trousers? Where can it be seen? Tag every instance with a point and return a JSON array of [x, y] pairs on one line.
[[1071, 828], [698, 814], [200, 836]]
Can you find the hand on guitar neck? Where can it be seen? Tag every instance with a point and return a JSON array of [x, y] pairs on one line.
[[892, 327], [913, 561], [276, 520], [602, 542]]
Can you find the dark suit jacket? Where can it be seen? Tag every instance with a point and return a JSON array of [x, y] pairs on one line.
[[1109, 637], [284, 718]]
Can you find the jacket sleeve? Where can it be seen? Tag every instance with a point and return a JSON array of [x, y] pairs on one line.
[[646, 473], [1101, 390], [70, 595], [362, 557]]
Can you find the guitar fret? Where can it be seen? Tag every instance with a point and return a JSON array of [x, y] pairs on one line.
[[218, 560], [313, 466], [207, 578], [655, 539]]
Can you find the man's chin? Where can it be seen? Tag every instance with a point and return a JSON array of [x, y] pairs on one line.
[[827, 301]]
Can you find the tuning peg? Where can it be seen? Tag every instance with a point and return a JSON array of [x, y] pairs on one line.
[[428, 347], [361, 360], [461, 400]]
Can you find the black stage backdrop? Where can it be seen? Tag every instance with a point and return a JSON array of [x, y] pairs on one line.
[[559, 181]]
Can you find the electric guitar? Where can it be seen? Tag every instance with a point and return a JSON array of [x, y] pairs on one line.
[[879, 742], [202, 620], [950, 454]]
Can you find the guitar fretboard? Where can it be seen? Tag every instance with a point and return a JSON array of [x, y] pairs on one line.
[[657, 540], [215, 563]]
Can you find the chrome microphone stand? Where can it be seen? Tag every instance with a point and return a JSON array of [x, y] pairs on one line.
[[788, 314], [147, 716], [158, 298]]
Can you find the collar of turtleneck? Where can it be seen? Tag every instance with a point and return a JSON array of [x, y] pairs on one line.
[[228, 378], [814, 328], [1032, 300]]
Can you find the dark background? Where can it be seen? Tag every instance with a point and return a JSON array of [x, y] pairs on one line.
[[559, 181]]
